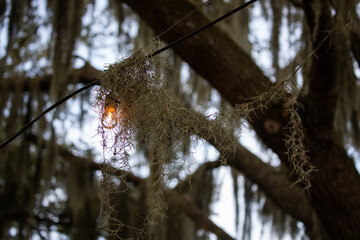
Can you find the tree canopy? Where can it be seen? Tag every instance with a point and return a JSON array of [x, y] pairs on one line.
[[286, 69]]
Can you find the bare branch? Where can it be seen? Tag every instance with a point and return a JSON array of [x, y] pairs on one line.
[[128, 176]]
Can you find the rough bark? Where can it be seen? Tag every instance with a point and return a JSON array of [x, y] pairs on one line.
[[336, 185]]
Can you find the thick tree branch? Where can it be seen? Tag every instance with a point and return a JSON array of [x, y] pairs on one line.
[[219, 59], [228, 61], [276, 185]]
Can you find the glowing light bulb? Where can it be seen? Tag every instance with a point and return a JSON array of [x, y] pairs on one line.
[[109, 119]]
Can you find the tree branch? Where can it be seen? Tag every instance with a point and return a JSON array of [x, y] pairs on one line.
[[219, 59], [84, 75], [276, 185], [212, 49], [128, 176], [70, 157]]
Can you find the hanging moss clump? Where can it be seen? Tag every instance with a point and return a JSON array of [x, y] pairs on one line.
[[135, 105]]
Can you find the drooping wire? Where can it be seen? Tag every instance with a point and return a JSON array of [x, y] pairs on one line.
[[14, 135], [202, 28], [49, 109]]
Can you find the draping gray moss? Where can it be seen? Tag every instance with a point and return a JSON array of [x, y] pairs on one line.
[[144, 110]]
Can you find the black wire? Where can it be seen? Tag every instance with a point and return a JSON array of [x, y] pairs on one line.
[[52, 107], [202, 28], [64, 99]]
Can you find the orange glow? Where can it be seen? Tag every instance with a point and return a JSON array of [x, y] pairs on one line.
[[109, 119]]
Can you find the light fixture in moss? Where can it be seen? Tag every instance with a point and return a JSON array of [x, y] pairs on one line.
[[109, 119]]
